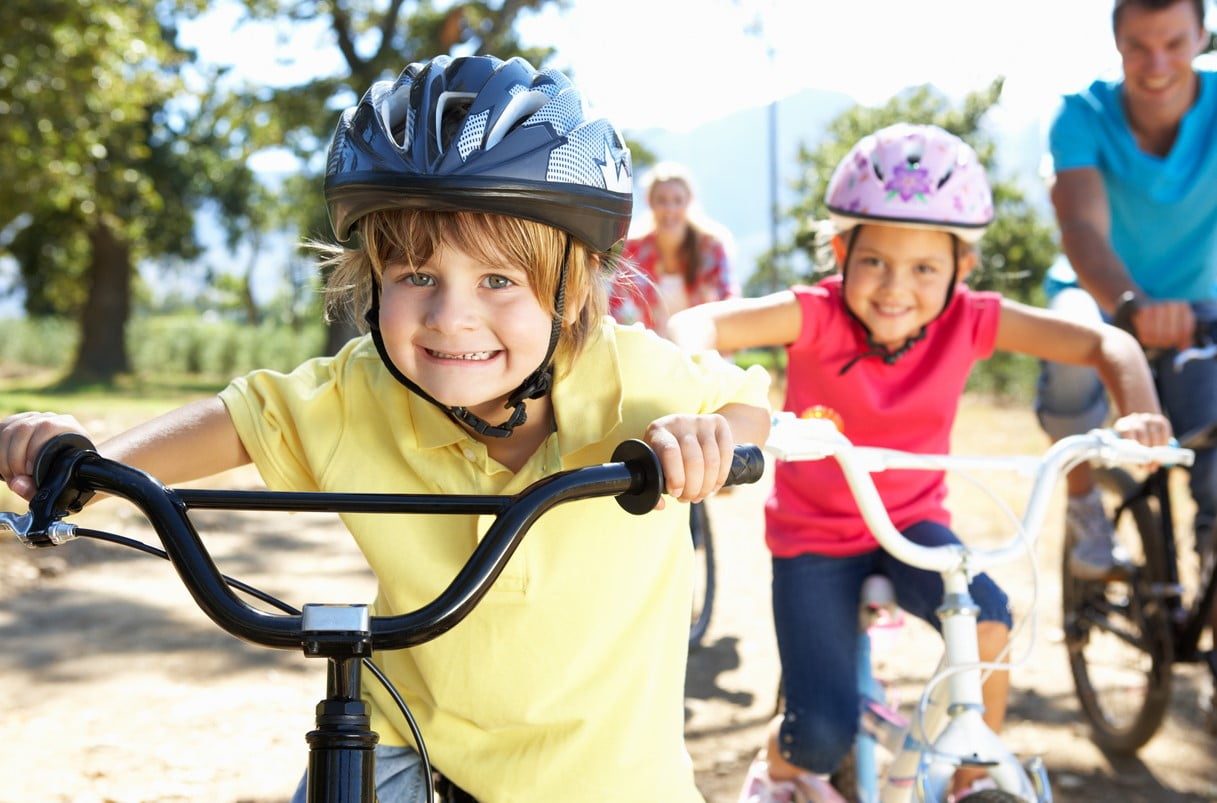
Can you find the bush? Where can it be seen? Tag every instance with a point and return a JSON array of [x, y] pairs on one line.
[[167, 345], [197, 346], [37, 342]]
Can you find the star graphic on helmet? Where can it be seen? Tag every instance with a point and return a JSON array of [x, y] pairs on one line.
[[618, 178]]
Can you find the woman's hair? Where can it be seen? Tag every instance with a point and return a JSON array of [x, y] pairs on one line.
[[698, 227], [353, 274]]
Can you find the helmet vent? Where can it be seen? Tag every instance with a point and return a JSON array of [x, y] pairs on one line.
[[450, 114], [395, 115], [517, 110]]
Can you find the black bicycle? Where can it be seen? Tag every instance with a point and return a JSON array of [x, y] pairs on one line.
[[341, 746], [703, 572], [1125, 632]]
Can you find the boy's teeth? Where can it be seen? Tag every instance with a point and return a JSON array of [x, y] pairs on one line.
[[475, 355]]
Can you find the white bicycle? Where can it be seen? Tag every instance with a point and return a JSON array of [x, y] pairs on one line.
[[947, 731]]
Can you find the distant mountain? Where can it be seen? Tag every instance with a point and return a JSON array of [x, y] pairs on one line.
[[729, 159]]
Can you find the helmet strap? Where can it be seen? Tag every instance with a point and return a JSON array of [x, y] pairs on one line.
[[534, 386], [888, 355]]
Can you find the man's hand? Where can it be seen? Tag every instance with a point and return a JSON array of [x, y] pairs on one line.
[[1164, 324]]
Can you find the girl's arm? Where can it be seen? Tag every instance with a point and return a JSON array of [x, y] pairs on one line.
[[1112, 352], [193, 441], [738, 323]]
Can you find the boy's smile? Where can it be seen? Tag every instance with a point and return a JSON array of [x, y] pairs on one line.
[[468, 333], [897, 280]]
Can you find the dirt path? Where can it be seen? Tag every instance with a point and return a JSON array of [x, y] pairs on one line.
[[117, 689]]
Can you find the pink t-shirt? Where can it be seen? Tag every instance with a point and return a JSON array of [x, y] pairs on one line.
[[909, 405]]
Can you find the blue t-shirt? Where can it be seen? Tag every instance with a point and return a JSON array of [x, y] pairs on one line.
[[1163, 210]]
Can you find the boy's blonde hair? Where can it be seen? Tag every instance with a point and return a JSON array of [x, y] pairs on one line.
[[353, 274]]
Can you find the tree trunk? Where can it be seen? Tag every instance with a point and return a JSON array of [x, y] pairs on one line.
[[102, 353]]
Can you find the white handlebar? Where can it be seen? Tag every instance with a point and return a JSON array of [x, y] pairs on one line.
[[794, 439]]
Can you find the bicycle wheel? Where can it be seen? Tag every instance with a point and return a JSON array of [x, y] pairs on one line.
[[845, 778], [703, 572], [1118, 632]]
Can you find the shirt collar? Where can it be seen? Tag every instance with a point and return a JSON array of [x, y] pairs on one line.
[[586, 399]]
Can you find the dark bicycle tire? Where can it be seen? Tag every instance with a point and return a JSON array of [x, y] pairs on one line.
[[844, 778], [703, 573], [1118, 632]]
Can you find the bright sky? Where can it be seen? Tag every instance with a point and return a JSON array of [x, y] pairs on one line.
[[678, 63]]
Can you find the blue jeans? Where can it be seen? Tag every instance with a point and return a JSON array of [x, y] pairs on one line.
[[398, 777], [815, 614], [1071, 399]]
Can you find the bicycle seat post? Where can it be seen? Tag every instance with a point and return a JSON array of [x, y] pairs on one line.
[[341, 747]]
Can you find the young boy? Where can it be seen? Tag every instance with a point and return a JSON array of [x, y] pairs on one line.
[[484, 207]]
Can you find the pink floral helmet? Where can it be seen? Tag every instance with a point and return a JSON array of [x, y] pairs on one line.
[[912, 175]]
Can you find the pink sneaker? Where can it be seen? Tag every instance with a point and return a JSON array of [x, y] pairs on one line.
[[807, 788]]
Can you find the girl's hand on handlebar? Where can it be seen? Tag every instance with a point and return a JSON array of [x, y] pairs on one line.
[[695, 452], [1150, 429], [21, 437]]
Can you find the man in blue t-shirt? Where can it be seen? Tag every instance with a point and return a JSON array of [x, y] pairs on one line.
[[1135, 193]]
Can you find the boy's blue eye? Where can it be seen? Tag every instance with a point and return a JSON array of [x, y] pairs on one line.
[[417, 279], [497, 282]]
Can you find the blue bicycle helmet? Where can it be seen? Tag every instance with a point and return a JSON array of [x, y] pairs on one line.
[[478, 134], [483, 135]]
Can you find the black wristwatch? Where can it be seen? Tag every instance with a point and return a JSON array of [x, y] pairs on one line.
[[1126, 307]]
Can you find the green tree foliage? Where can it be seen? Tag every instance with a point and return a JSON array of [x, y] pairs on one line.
[[114, 137], [1015, 252], [91, 178]]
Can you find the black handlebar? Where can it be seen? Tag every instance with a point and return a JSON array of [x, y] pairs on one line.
[[68, 471]]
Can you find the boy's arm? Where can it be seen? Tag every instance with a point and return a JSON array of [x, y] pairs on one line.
[[1112, 352], [194, 441]]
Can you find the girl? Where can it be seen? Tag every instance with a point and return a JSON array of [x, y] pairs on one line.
[[485, 206], [884, 350]]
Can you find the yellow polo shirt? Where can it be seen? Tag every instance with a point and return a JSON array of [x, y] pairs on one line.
[[567, 682]]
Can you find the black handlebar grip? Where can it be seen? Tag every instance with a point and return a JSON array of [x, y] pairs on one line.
[[56, 446], [67, 498], [747, 465]]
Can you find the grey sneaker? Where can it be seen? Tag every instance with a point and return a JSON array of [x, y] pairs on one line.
[[1094, 553]]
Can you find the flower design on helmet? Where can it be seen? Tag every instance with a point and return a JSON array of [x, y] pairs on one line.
[[908, 183]]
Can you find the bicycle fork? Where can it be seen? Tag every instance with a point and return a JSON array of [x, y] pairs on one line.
[[928, 759]]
